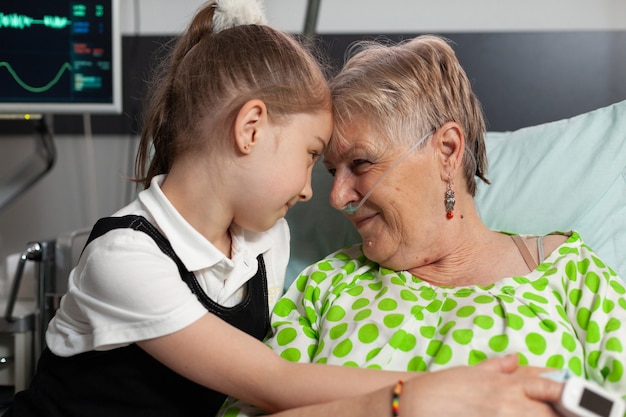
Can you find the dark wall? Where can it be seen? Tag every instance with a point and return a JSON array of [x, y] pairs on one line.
[[522, 79]]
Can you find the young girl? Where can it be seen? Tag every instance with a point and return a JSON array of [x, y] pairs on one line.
[[149, 326]]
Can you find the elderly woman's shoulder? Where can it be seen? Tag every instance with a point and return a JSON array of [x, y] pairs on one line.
[[352, 254], [348, 254], [552, 241]]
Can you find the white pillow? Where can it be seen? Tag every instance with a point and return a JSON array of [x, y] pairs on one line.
[[564, 175]]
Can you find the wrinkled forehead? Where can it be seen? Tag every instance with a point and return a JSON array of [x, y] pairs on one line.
[[346, 135], [356, 140]]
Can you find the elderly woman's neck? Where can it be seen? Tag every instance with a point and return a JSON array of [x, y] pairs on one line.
[[462, 259]]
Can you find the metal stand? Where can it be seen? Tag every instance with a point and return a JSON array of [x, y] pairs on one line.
[[27, 320]]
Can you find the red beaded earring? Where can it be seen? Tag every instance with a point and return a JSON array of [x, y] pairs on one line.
[[449, 201]]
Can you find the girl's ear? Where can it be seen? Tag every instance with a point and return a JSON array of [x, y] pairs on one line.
[[251, 118], [450, 140]]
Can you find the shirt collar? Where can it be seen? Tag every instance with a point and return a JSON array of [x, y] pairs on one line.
[[195, 251]]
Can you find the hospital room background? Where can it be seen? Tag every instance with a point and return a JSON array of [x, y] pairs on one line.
[[531, 62]]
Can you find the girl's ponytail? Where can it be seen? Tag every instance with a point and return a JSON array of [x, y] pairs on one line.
[[158, 127]]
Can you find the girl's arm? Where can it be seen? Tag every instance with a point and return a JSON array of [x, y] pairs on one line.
[[218, 356], [483, 390], [212, 353]]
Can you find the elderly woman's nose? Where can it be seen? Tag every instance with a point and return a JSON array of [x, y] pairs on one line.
[[342, 191]]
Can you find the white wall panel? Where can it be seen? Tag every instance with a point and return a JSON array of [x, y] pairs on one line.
[[156, 17]]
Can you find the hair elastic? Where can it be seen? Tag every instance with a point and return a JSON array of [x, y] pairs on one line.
[[231, 13]]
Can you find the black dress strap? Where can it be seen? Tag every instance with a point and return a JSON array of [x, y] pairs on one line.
[[256, 326]]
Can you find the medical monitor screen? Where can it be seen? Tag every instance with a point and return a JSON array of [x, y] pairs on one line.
[[60, 56]]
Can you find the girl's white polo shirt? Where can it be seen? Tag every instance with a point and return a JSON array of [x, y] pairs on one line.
[[124, 289]]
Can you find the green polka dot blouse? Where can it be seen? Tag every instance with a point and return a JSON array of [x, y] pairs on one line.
[[347, 310], [567, 313]]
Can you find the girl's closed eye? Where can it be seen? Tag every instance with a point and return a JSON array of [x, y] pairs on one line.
[[315, 156]]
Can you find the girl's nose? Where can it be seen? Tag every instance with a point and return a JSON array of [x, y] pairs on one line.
[[307, 191]]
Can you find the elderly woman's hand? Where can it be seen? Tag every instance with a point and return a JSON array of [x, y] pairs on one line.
[[497, 387]]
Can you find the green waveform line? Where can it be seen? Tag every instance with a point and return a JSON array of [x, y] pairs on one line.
[[64, 67], [20, 21]]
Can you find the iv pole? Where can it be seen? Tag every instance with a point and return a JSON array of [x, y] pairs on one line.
[[312, 13]]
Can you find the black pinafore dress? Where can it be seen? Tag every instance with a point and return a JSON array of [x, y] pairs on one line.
[[126, 381]]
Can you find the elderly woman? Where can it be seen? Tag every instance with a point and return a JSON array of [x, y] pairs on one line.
[[431, 286]]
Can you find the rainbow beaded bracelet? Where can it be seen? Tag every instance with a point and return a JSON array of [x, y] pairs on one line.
[[395, 399]]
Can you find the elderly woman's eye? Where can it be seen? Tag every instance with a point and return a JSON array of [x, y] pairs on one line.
[[360, 164], [332, 171]]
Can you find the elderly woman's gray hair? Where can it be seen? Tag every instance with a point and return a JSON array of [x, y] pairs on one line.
[[404, 91]]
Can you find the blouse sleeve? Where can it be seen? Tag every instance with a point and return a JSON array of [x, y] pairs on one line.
[[293, 335], [596, 306]]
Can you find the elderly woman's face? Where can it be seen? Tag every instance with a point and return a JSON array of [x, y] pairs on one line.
[[398, 219]]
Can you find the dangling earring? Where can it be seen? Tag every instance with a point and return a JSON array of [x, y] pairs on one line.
[[449, 201]]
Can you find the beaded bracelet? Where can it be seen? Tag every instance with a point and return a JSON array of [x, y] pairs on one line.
[[395, 399]]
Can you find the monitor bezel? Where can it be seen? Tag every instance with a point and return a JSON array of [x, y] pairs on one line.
[[112, 107]]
